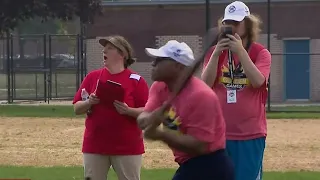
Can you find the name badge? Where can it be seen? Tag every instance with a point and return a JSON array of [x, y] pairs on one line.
[[231, 96]]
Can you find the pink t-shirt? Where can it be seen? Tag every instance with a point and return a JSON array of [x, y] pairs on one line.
[[245, 119], [195, 111]]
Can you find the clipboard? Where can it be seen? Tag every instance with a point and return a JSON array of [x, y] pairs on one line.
[[109, 91]]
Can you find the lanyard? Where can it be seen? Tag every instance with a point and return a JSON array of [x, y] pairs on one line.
[[230, 64], [95, 90], [231, 67]]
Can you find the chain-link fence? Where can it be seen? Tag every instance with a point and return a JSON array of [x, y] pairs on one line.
[[40, 67]]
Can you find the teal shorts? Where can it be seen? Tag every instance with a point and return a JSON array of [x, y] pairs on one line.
[[247, 157]]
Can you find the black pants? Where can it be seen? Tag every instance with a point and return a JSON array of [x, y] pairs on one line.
[[213, 166]]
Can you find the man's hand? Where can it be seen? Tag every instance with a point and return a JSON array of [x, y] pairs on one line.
[[152, 119], [121, 107], [153, 133]]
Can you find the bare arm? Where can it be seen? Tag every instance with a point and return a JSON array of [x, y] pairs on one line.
[[210, 72], [147, 120], [253, 73], [142, 118], [81, 107], [255, 77], [135, 112]]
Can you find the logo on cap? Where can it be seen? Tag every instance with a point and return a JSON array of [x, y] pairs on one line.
[[246, 10], [232, 9], [177, 53]]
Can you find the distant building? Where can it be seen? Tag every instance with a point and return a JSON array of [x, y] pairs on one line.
[[294, 29]]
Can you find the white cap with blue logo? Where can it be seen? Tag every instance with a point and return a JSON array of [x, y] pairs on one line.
[[175, 50], [236, 11]]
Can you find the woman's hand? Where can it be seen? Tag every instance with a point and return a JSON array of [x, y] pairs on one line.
[[121, 107], [235, 43], [222, 45], [93, 99]]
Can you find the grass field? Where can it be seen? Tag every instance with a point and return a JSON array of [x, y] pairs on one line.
[[31, 86], [67, 111], [44, 143], [76, 173]]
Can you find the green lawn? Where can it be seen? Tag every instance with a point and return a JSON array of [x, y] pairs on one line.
[[76, 173], [31, 86], [67, 111], [37, 111], [293, 115], [295, 109]]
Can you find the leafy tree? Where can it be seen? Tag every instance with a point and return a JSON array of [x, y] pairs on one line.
[[12, 12], [35, 26], [44, 16]]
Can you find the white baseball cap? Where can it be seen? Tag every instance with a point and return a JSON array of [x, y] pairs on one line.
[[175, 50], [236, 11]]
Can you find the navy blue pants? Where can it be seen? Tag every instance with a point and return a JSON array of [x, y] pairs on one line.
[[213, 166]]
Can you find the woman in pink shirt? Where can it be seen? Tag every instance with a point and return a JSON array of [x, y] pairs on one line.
[[193, 126], [237, 69]]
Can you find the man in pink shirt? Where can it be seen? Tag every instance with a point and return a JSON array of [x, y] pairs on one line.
[[193, 125], [237, 69]]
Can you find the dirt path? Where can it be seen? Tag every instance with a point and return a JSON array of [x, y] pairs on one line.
[[291, 144]]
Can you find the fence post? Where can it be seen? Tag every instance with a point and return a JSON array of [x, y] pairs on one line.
[[78, 63], [12, 68], [84, 52], [83, 33], [8, 68], [81, 56], [36, 79], [45, 67], [50, 68], [269, 31]]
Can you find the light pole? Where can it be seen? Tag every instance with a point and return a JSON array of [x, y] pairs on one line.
[[207, 15]]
